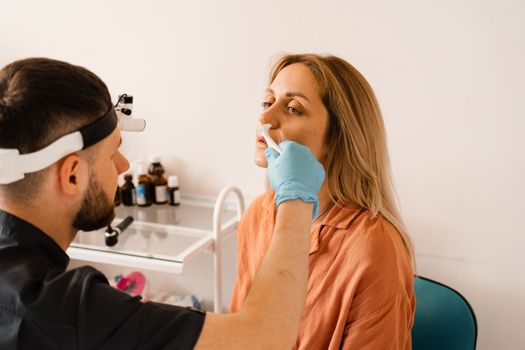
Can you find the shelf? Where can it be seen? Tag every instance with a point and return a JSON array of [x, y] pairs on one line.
[[162, 238]]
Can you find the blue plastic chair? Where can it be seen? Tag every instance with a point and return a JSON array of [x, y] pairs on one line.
[[444, 319]]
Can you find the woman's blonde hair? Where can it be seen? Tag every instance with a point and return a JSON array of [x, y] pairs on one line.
[[356, 157]]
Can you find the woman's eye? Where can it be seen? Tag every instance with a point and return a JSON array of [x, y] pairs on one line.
[[293, 110], [266, 104]]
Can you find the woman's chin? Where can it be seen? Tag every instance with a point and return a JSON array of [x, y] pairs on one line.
[[260, 160]]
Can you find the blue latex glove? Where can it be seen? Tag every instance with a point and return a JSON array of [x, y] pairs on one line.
[[295, 174]]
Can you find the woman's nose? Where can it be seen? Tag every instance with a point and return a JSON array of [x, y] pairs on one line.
[[270, 116]]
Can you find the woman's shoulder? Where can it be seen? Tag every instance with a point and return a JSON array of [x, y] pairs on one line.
[[371, 240], [373, 232], [377, 232]]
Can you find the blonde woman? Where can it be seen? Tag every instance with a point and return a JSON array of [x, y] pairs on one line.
[[360, 287]]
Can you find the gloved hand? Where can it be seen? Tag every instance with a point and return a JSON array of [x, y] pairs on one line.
[[295, 174]]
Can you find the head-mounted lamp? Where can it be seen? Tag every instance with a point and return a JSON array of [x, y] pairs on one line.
[[14, 166]]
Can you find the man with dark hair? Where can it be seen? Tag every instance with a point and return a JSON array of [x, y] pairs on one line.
[[59, 162]]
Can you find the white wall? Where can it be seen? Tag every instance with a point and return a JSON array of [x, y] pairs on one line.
[[448, 74]]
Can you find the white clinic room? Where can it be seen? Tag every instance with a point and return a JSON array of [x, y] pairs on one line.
[[192, 211]]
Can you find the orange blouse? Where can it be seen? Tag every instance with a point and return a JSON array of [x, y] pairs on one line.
[[360, 287]]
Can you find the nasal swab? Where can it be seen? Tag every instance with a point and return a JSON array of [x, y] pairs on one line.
[[263, 130]]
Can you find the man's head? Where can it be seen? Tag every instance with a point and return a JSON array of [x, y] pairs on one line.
[[42, 100]]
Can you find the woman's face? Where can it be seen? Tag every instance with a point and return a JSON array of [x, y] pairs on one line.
[[294, 108]]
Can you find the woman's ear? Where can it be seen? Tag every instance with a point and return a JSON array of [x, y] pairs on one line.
[[71, 173]]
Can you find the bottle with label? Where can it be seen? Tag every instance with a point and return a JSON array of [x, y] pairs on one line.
[[144, 190], [160, 185], [127, 192], [173, 190]]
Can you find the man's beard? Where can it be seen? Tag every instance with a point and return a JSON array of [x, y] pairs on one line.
[[96, 211]]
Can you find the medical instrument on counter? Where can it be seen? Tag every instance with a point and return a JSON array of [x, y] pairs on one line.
[[14, 166], [112, 234], [263, 130]]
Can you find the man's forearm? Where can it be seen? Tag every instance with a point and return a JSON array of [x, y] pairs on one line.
[[278, 292], [270, 316]]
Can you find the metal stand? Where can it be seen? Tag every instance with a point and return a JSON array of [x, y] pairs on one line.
[[218, 236]]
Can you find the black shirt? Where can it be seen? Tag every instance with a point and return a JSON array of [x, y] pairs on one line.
[[43, 306]]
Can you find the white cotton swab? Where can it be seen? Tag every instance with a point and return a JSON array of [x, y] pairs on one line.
[[263, 130]]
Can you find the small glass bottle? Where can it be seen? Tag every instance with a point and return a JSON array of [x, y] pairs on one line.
[[160, 185], [127, 192], [144, 193], [117, 197], [173, 190]]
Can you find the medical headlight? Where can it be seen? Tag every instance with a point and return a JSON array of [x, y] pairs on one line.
[[14, 166]]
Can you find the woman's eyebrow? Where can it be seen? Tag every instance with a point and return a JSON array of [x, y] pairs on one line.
[[291, 94]]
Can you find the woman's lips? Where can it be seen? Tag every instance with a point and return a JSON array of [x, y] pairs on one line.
[[261, 142]]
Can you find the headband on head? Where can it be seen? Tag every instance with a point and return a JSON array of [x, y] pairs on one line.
[[14, 166]]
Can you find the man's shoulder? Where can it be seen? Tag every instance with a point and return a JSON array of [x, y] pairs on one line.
[[38, 291], [85, 275]]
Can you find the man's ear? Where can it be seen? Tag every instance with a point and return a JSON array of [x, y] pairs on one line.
[[71, 171]]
